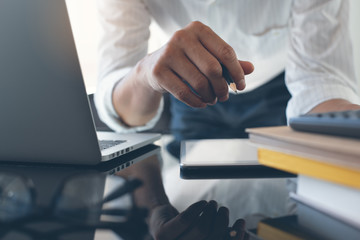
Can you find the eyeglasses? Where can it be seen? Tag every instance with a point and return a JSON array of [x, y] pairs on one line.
[[82, 203]]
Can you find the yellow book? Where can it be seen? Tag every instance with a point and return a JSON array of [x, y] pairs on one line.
[[331, 158], [283, 228], [300, 165]]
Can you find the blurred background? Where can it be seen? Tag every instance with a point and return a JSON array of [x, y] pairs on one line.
[[83, 16]]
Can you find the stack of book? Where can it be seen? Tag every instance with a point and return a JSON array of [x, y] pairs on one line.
[[328, 183]]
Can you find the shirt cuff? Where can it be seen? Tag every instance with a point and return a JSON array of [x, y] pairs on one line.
[[299, 104], [106, 110]]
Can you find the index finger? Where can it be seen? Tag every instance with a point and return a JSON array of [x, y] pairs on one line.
[[223, 52]]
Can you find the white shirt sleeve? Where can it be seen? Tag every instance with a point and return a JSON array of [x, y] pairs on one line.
[[124, 34], [319, 65]]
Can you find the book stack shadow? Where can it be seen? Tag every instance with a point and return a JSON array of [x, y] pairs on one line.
[[328, 183]]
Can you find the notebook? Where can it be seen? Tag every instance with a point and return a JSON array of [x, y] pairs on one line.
[[45, 114]]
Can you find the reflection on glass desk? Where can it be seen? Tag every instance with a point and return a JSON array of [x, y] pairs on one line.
[[59, 202], [308, 223], [63, 202]]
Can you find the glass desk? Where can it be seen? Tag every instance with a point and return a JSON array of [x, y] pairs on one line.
[[77, 202]]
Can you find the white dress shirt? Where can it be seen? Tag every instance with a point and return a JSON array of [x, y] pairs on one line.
[[309, 39]]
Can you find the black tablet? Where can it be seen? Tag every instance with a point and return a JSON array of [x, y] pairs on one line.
[[223, 158]]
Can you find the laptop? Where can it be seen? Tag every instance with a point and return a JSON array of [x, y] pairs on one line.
[[45, 114]]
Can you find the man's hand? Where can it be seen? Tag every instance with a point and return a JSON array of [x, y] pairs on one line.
[[201, 220], [335, 105], [192, 60], [189, 67]]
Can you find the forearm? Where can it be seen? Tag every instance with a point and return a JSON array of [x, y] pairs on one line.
[[334, 105], [134, 101], [151, 194]]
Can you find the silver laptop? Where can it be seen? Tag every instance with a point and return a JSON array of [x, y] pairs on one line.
[[45, 114]]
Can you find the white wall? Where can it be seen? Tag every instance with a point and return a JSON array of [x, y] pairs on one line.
[[83, 17], [355, 34], [84, 21]]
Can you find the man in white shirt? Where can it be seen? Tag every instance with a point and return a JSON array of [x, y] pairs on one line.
[[307, 39]]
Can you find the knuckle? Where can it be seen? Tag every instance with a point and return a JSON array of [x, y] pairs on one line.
[[228, 53], [196, 24], [168, 51], [222, 90], [199, 27], [179, 37], [200, 83], [157, 80], [185, 95], [213, 70], [157, 70], [182, 94]]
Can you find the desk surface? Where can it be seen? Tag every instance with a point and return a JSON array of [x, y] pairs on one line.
[[49, 189], [48, 180]]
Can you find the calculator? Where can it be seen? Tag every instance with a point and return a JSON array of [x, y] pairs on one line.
[[344, 123]]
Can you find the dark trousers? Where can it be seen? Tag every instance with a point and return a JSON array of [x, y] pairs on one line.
[[264, 106]]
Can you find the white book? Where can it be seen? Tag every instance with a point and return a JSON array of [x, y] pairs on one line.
[[337, 200], [323, 223]]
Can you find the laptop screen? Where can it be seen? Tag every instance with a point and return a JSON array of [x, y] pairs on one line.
[[44, 107]]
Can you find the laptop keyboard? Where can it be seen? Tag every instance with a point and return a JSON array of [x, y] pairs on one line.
[[104, 144], [346, 123]]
